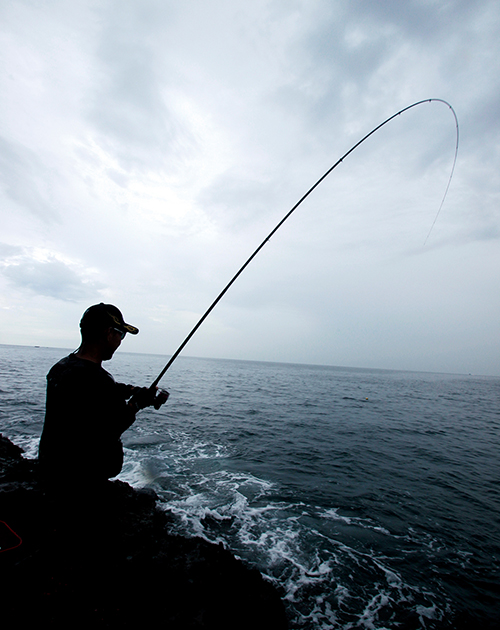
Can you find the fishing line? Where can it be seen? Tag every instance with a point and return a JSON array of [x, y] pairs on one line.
[[273, 232]]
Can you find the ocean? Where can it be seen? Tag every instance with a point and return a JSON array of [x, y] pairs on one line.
[[370, 498]]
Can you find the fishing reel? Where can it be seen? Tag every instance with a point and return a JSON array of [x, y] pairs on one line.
[[147, 397], [160, 398]]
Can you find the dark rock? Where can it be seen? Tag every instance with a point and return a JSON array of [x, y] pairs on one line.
[[104, 558]]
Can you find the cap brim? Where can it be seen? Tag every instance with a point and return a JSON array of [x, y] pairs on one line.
[[122, 325], [130, 329]]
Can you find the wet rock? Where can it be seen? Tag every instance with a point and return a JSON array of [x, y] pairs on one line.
[[104, 558]]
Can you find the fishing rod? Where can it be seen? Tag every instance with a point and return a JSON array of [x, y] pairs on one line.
[[290, 212]]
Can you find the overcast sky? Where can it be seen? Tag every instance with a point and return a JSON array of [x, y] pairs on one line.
[[147, 147]]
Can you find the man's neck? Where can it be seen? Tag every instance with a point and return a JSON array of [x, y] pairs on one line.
[[90, 352]]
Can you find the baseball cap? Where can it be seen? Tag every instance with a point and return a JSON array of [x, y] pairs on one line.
[[103, 315]]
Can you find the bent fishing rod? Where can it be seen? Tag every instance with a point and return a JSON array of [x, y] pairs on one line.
[[292, 210]]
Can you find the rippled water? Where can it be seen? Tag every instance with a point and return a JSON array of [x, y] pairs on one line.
[[370, 497]]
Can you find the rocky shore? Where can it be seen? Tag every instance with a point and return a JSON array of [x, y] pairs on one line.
[[107, 560]]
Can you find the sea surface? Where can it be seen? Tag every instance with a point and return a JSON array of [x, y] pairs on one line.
[[370, 498]]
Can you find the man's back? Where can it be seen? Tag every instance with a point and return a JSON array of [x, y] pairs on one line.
[[86, 414]]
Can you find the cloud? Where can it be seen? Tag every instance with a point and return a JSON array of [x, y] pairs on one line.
[[6, 250], [236, 200], [25, 180], [130, 108], [51, 278]]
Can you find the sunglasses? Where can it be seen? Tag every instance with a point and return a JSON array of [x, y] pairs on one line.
[[121, 333]]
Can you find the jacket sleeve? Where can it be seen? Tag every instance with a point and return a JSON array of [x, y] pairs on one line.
[[125, 391]]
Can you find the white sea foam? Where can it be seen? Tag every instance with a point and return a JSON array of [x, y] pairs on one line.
[[234, 508], [429, 612], [29, 444], [332, 513]]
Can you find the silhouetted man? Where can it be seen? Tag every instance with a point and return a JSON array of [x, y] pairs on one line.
[[86, 410]]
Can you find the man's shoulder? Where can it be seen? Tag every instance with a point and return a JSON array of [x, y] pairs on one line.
[[72, 367], [71, 362]]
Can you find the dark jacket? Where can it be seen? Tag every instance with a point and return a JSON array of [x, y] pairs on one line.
[[86, 413]]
